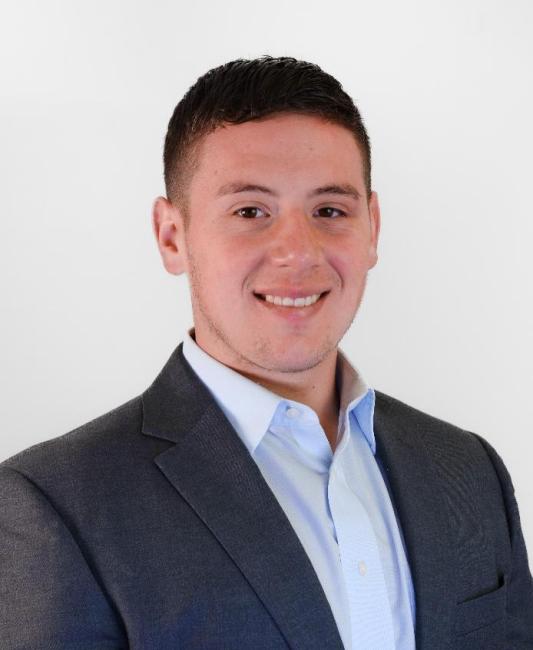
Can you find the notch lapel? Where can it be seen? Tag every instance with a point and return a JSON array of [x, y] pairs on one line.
[[421, 509], [213, 471]]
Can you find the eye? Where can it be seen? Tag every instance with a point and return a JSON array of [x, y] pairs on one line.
[[330, 213], [250, 212]]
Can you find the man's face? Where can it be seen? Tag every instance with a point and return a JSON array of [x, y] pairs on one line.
[[277, 212]]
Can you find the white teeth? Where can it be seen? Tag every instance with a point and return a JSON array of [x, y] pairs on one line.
[[289, 302]]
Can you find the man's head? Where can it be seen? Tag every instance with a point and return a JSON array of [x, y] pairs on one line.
[[244, 90], [279, 209]]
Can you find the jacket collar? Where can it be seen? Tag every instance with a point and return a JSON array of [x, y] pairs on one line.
[[422, 511], [212, 470]]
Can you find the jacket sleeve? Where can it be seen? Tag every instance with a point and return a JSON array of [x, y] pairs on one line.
[[49, 597], [520, 586]]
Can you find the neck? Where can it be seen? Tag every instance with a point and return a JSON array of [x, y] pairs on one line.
[[318, 390], [315, 387]]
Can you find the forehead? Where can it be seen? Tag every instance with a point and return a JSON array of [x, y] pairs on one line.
[[286, 144]]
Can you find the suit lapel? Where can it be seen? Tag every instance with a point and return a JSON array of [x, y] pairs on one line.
[[421, 509], [212, 470]]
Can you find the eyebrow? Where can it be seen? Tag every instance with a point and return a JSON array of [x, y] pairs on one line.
[[345, 189]]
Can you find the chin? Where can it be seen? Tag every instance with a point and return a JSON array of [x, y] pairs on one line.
[[294, 360]]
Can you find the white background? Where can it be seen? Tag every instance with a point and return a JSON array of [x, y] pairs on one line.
[[446, 89]]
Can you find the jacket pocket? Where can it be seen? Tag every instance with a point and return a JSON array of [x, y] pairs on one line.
[[479, 612]]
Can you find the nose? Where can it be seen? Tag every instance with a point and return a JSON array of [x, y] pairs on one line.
[[295, 241]]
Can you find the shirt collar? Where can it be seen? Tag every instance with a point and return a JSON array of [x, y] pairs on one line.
[[247, 405], [250, 408], [356, 398]]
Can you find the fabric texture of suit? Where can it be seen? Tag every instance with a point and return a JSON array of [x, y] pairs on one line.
[[152, 527]]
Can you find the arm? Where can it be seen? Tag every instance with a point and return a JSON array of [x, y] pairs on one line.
[[520, 587], [49, 597]]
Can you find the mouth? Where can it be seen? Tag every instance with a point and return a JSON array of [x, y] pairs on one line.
[[288, 302]]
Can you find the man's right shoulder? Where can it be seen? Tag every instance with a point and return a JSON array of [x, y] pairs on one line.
[[92, 446]]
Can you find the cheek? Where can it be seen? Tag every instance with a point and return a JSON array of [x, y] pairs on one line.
[[224, 277], [351, 264]]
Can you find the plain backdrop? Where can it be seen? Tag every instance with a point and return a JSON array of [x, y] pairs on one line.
[[86, 90]]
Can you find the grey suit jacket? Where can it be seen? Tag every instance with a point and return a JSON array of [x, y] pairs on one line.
[[152, 527]]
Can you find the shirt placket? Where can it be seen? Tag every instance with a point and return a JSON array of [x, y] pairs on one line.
[[371, 623]]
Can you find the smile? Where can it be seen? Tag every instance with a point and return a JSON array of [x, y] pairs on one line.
[[285, 301], [289, 302]]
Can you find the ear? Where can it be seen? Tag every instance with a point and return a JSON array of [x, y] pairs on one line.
[[169, 231], [375, 225]]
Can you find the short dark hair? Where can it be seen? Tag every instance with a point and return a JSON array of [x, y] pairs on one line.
[[244, 90]]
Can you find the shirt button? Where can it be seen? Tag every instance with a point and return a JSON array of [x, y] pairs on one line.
[[361, 567], [292, 413]]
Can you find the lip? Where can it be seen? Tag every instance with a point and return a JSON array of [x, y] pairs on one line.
[[291, 293], [293, 314]]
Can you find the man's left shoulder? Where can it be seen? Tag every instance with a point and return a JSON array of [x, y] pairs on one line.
[[419, 427], [453, 448]]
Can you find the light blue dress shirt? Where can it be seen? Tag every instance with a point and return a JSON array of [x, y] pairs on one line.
[[337, 503]]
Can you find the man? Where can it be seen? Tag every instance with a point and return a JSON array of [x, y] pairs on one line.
[[259, 494]]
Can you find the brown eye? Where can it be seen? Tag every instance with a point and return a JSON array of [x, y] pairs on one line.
[[249, 212], [330, 213]]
